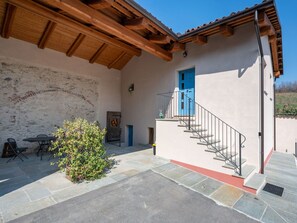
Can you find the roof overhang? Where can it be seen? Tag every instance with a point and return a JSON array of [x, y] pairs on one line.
[[111, 32]]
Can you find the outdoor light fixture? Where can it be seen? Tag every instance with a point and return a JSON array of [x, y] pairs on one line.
[[131, 88], [185, 53]]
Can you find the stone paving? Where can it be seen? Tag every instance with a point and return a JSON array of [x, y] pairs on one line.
[[29, 186], [26, 187], [265, 207]]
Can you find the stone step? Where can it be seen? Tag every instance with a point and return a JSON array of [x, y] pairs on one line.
[[217, 149], [256, 182], [196, 130], [202, 136], [245, 172], [186, 125], [209, 142], [225, 156], [229, 165]]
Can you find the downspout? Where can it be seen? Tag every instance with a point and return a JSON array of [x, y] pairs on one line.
[[261, 133]]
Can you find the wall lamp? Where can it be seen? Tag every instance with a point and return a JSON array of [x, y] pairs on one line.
[[131, 88], [185, 53]]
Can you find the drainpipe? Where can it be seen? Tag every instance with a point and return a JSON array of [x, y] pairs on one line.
[[261, 133]]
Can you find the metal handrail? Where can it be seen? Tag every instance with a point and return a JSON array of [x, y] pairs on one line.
[[227, 141]]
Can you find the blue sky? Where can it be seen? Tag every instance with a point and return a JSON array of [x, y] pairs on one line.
[[183, 15]]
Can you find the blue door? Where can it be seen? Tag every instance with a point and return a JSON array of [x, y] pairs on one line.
[[186, 97], [130, 135]]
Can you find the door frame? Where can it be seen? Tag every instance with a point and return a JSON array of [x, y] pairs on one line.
[[177, 81]]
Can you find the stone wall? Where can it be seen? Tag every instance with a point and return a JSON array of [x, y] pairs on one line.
[[36, 99]]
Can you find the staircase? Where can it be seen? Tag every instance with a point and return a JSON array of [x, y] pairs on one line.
[[219, 138]]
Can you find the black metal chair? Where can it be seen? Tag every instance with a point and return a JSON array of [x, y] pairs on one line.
[[18, 151], [43, 145]]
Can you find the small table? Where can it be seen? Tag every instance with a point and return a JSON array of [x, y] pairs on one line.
[[40, 140]]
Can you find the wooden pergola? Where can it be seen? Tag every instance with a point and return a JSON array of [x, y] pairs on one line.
[[111, 32]]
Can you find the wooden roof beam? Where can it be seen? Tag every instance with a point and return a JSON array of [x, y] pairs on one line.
[[79, 39], [136, 24], [266, 28], [100, 4], [8, 21], [159, 39], [177, 46], [49, 29], [98, 19], [103, 4], [226, 30], [273, 46], [200, 40], [116, 60], [98, 53], [44, 12]]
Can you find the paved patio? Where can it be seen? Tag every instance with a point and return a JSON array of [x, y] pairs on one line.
[[25, 190], [29, 186]]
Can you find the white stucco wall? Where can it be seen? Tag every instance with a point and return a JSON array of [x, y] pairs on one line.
[[41, 88], [179, 146], [268, 99], [226, 82], [286, 135]]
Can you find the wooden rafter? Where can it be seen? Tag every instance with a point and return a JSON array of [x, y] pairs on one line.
[[49, 29], [177, 46], [103, 22], [75, 44], [273, 46], [116, 60], [98, 53], [266, 28], [8, 20], [103, 4], [63, 20], [100, 4], [200, 40], [226, 30], [136, 24], [159, 39]]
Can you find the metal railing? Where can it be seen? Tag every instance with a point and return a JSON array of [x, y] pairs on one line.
[[217, 135]]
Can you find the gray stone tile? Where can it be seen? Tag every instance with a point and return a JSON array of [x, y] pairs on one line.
[[70, 192], [191, 179], [118, 177], [250, 205], [13, 200], [16, 212], [289, 217], [270, 216], [207, 186], [176, 173], [227, 195], [56, 182], [278, 202], [166, 167], [36, 191], [99, 183]]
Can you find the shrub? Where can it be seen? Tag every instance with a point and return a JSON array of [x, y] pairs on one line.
[[79, 147]]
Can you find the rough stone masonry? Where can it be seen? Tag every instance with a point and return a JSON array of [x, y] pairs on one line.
[[34, 100]]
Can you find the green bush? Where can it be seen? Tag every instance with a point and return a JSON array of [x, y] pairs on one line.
[[79, 147]]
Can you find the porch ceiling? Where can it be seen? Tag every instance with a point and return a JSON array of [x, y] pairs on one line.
[[111, 32]]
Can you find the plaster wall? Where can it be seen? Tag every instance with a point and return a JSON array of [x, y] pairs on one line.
[[268, 99], [286, 135], [180, 147], [226, 83], [41, 88]]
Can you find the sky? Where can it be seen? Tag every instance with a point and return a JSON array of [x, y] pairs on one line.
[[183, 15]]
